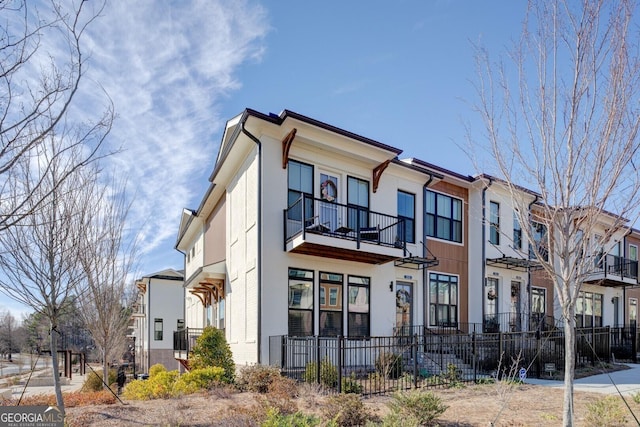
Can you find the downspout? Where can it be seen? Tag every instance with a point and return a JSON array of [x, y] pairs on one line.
[[484, 246], [529, 269], [624, 288], [425, 273], [149, 324], [259, 228]]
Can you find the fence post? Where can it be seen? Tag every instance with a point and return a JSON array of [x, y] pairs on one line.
[[594, 346], [474, 356], [340, 355], [634, 343], [500, 345], [608, 343], [414, 354], [317, 340]]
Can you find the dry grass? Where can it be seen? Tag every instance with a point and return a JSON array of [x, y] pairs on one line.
[[476, 405]]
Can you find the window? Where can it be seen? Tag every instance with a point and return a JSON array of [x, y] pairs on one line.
[[443, 300], [633, 311], [538, 307], [588, 310], [406, 212], [517, 232], [358, 202], [331, 310], [157, 329], [300, 182], [180, 324], [358, 309], [539, 234], [494, 223], [633, 261], [443, 217], [300, 303]]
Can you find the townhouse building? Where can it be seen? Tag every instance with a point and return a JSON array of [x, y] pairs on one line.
[[157, 312], [309, 230]]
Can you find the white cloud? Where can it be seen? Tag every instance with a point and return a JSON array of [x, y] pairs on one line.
[[168, 67]]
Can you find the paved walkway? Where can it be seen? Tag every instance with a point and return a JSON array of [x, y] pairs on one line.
[[17, 390], [626, 382]]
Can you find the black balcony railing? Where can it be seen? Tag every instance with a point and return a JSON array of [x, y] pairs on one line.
[[318, 216], [518, 322], [612, 265], [184, 340]]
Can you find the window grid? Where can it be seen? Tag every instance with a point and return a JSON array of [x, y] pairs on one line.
[[443, 300], [406, 212], [494, 223], [443, 217]]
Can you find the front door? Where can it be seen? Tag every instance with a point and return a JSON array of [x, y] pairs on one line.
[[404, 307], [514, 317], [329, 196]]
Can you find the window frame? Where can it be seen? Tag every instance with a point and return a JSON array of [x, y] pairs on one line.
[[365, 283], [494, 223], [517, 232], [291, 191], [305, 314], [589, 301], [433, 218], [158, 333], [358, 214], [409, 236], [331, 281], [434, 307]]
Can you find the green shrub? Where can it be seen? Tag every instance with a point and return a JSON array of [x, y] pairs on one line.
[[212, 349], [159, 386], [156, 369], [257, 378], [608, 411], [389, 365], [297, 419], [636, 397], [198, 379], [351, 385], [345, 410], [93, 382], [424, 407], [328, 373]]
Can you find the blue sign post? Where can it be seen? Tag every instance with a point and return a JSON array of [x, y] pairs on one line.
[[523, 374]]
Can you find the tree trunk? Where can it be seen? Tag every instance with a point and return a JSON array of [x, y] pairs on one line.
[[105, 370], [56, 371], [569, 369]]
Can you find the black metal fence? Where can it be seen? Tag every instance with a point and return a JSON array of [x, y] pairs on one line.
[[376, 365]]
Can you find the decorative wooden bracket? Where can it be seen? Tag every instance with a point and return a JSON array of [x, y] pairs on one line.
[[377, 173], [286, 145], [142, 287], [209, 291]]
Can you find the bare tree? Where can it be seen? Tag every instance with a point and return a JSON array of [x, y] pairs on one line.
[[41, 67], [561, 118], [38, 255], [107, 255]]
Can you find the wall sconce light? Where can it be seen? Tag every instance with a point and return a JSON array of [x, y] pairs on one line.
[[391, 286]]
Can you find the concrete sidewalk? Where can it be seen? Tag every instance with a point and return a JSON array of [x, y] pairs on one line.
[[626, 382], [74, 385]]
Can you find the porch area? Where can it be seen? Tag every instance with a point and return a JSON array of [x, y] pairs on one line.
[[441, 357]]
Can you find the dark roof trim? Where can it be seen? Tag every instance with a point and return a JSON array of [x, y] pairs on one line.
[[417, 168], [442, 170], [493, 178]]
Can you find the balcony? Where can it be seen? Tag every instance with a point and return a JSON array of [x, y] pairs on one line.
[[613, 271], [183, 342], [346, 232]]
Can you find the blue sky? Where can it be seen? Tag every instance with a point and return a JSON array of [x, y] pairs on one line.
[[398, 72]]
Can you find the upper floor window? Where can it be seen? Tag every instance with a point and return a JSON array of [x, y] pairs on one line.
[[517, 232], [494, 223], [157, 329], [539, 234], [358, 201], [406, 212], [300, 182], [443, 217]]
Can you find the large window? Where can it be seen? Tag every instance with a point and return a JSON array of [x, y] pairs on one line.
[[494, 223], [588, 310], [443, 217], [157, 329], [539, 234], [517, 232], [443, 300], [330, 304], [300, 182], [406, 212], [358, 201], [358, 314], [300, 302]]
